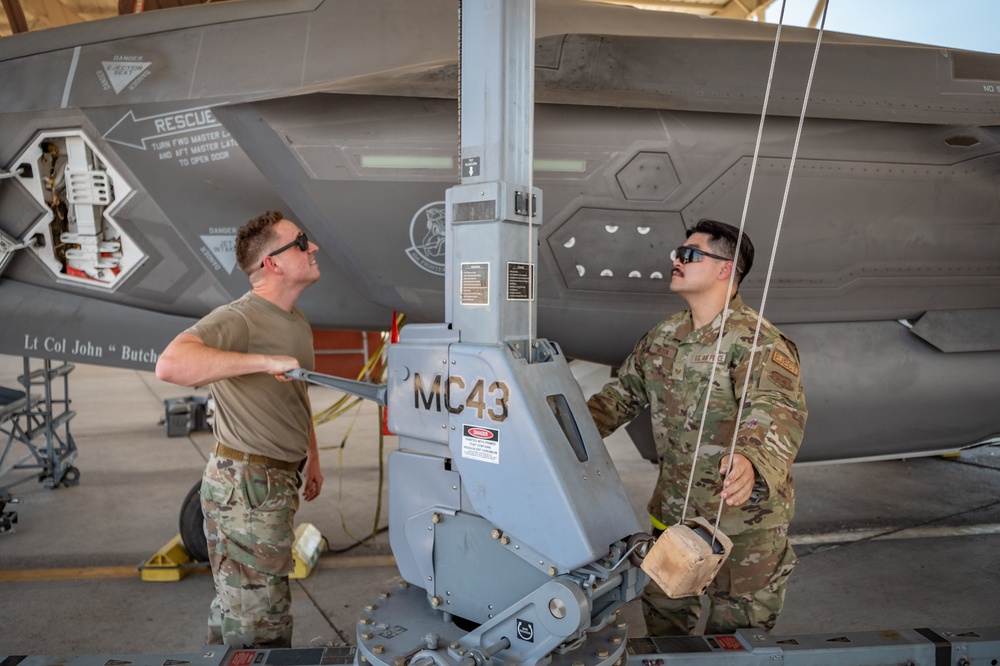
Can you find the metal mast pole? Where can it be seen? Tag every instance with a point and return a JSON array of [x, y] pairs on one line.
[[490, 277]]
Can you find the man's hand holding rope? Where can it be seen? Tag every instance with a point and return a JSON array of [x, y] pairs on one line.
[[738, 485]]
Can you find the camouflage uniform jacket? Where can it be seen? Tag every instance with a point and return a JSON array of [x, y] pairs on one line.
[[669, 370]]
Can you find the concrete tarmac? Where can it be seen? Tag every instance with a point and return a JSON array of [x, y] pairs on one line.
[[882, 545]]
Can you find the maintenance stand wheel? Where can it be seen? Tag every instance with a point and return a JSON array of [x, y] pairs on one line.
[[192, 525], [71, 477]]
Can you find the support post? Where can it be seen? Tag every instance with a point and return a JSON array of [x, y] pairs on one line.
[[15, 16]]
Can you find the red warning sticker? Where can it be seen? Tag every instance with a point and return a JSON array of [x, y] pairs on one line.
[[728, 643], [242, 658]]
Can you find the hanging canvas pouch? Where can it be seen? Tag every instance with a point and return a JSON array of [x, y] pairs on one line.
[[685, 559]]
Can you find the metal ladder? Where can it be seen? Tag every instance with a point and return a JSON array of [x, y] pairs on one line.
[[40, 412]]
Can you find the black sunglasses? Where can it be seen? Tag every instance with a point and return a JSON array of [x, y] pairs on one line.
[[300, 240], [688, 254]]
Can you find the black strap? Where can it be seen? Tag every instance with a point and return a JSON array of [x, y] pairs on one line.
[[942, 646]]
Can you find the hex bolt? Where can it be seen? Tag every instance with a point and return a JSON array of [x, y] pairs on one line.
[[505, 540], [552, 571], [371, 607], [602, 653], [435, 601], [367, 635], [378, 649], [616, 639], [436, 518], [496, 534], [383, 595]]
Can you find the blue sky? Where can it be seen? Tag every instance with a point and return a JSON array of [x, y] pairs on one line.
[[965, 24]]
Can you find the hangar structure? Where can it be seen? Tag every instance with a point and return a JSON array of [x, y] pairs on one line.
[[27, 15]]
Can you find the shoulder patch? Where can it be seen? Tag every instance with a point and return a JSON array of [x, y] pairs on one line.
[[785, 362], [780, 380]]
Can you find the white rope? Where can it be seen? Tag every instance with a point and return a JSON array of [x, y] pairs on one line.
[[774, 249], [774, 246], [732, 276], [531, 178]]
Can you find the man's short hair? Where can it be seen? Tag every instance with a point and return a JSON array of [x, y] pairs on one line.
[[254, 237], [723, 241]]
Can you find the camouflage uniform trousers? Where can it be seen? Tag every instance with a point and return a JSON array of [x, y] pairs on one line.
[[748, 591], [249, 525]]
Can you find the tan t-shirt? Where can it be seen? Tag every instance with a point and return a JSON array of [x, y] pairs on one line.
[[257, 413]]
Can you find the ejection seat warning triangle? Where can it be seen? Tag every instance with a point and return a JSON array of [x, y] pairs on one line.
[[122, 73]]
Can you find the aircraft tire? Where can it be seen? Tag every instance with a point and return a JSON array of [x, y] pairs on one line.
[[192, 525]]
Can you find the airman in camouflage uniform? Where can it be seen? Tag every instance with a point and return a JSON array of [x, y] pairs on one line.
[[263, 430], [249, 524], [669, 370]]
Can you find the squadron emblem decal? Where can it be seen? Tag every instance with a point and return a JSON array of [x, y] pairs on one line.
[[427, 238]]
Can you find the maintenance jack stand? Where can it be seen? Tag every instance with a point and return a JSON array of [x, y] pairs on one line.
[[7, 518]]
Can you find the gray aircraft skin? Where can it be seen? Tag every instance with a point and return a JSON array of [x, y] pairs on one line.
[[138, 145]]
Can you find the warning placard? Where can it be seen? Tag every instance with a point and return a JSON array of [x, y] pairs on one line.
[[480, 443], [728, 642], [476, 283], [520, 281]]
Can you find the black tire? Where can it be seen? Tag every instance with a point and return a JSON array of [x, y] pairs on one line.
[[71, 477], [192, 525]]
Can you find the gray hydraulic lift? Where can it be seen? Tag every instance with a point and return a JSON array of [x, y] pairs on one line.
[[508, 520]]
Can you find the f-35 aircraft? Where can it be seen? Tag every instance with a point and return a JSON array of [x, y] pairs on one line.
[[131, 150]]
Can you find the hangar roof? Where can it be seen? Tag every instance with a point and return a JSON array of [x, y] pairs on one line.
[[24, 15]]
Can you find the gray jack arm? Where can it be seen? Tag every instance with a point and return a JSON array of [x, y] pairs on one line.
[[374, 392]]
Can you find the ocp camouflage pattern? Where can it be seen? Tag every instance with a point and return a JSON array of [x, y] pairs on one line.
[[249, 525], [669, 370], [253, 507]]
